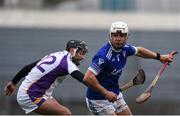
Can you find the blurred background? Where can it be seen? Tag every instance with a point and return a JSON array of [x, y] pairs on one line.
[[30, 29]]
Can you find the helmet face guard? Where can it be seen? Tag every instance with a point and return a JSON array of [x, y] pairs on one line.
[[80, 46], [119, 33], [82, 49]]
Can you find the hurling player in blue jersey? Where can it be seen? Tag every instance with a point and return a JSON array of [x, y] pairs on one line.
[[104, 97]]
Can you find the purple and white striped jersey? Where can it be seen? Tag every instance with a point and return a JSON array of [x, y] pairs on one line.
[[48, 73]]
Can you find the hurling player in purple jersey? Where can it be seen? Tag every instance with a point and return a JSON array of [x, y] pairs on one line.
[[104, 97], [42, 76]]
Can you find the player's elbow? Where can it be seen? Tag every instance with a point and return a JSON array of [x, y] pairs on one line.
[[88, 77]]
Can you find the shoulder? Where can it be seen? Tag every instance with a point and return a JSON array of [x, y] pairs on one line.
[[104, 52], [130, 49], [128, 46], [58, 54], [64, 57]]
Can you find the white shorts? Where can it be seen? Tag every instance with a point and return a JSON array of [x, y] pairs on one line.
[[104, 107], [29, 103]]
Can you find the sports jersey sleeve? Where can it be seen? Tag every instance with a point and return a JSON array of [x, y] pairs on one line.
[[23, 72], [98, 63], [78, 76], [72, 67], [131, 50]]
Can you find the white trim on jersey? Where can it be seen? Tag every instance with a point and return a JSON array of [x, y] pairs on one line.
[[126, 46], [135, 50], [94, 71], [109, 54]]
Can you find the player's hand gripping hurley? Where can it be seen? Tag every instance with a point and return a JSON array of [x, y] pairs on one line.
[[147, 93]]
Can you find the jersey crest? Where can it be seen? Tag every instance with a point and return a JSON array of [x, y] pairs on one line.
[[100, 61]]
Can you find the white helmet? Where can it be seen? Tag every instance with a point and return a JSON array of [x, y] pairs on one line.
[[119, 26]]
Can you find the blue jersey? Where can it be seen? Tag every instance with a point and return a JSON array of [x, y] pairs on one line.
[[107, 65]]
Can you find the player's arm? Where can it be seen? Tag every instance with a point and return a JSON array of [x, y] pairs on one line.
[[146, 53], [11, 86], [90, 80], [78, 76], [23, 72]]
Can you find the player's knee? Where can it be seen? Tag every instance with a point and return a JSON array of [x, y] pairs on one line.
[[126, 111]]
